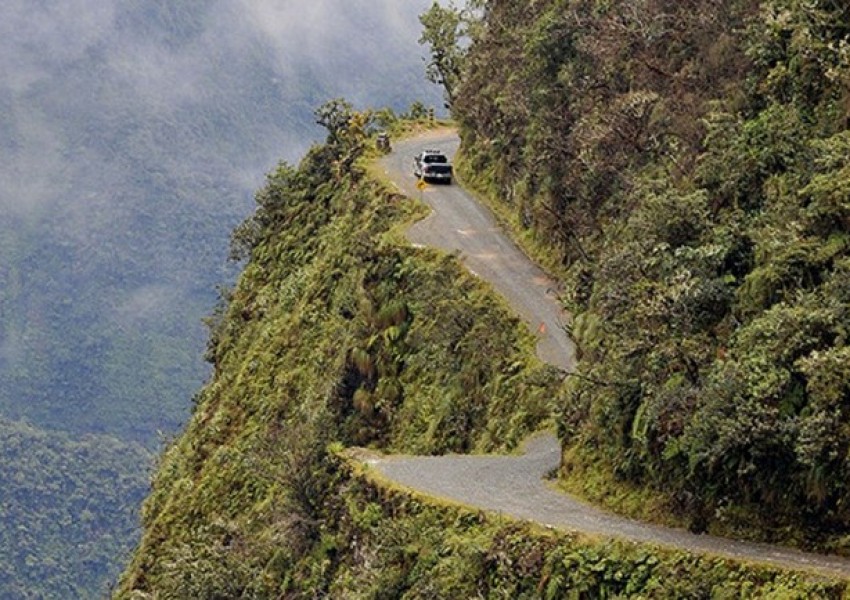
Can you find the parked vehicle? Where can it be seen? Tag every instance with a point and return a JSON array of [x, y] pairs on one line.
[[432, 166], [382, 142]]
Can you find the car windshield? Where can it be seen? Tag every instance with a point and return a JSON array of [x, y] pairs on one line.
[[439, 169], [435, 158]]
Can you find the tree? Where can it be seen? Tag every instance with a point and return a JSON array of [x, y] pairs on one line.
[[334, 115], [347, 131], [443, 30]]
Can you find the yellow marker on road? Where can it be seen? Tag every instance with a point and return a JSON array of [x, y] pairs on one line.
[[421, 185]]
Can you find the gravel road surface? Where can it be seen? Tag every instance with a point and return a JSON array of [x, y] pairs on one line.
[[514, 485]]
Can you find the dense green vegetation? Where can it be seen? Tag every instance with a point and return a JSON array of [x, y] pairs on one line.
[[336, 335], [74, 507], [132, 135], [336, 332], [685, 166]]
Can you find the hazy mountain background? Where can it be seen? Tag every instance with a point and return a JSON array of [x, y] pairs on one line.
[[132, 135]]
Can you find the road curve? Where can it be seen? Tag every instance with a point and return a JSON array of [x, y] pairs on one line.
[[461, 224], [514, 485]]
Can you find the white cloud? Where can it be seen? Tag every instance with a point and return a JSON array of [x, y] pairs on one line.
[[325, 34], [34, 175], [146, 303], [34, 34]]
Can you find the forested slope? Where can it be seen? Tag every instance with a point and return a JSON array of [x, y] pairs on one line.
[[685, 167], [73, 504]]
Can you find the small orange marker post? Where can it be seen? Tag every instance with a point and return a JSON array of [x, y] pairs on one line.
[[542, 329]]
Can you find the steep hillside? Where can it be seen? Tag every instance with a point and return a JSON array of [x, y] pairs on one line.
[[339, 335], [684, 166], [336, 333]]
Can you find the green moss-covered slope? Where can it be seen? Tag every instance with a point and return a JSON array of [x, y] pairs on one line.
[[335, 333]]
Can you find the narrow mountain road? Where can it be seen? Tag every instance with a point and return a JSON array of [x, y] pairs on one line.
[[514, 485], [459, 223]]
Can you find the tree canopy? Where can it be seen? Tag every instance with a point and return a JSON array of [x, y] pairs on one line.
[[685, 164]]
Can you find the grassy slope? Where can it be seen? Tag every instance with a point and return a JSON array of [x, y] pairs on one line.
[[335, 332]]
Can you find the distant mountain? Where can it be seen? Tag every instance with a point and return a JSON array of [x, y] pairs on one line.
[[132, 136], [69, 510]]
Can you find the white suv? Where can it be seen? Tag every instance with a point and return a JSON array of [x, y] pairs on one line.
[[432, 165]]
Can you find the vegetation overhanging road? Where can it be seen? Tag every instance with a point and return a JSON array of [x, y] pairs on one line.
[[514, 485]]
